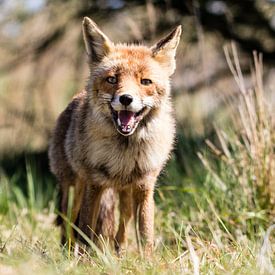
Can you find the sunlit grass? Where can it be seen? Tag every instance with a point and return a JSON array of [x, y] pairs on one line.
[[30, 244]]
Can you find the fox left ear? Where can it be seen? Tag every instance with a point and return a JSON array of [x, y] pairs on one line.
[[97, 43], [165, 50]]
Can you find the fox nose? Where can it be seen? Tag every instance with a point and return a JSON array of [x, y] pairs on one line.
[[125, 99]]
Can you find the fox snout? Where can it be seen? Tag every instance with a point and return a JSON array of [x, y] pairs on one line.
[[127, 111], [125, 99]]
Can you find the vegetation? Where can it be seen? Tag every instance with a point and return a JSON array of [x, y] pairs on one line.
[[215, 201]]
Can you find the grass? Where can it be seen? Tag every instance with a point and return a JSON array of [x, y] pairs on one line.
[[216, 220]]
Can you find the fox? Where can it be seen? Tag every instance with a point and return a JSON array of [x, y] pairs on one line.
[[114, 138]]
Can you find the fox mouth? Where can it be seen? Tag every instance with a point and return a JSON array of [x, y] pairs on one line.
[[126, 121]]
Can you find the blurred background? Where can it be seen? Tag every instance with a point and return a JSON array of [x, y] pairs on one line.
[[43, 64], [220, 180]]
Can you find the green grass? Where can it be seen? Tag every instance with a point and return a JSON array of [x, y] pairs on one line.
[[187, 219], [215, 218], [30, 240]]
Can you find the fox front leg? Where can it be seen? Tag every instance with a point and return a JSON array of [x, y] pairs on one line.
[[89, 211], [144, 217], [70, 189], [125, 209]]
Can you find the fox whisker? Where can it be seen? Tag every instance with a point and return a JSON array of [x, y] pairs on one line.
[[148, 105], [102, 98]]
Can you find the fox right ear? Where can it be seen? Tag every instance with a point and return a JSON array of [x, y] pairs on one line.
[[165, 50], [97, 43]]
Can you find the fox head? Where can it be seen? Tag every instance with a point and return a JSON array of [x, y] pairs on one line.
[[128, 82]]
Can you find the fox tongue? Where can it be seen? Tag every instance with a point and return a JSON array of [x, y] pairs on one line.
[[127, 119]]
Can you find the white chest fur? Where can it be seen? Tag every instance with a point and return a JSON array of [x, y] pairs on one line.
[[146, 151]]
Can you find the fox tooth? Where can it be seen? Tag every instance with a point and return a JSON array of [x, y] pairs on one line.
[[118, 122]]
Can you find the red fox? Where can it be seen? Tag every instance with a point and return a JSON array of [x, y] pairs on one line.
[[116, 136]]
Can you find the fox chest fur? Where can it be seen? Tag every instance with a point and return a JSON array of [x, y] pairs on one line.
[[110, 159]]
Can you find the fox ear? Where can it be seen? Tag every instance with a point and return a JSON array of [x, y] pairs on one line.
[[165, 50], [97, 43]]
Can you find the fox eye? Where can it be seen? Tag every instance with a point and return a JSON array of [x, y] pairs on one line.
[[146, 81], [111, 79]]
